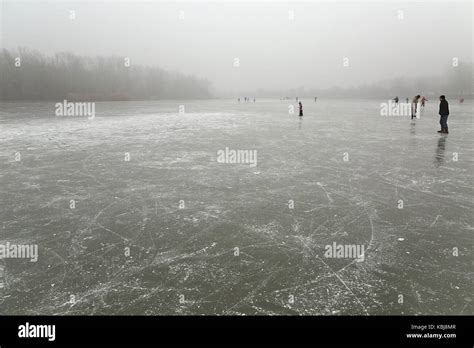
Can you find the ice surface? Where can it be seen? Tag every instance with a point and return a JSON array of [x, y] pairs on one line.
[[190, 251]]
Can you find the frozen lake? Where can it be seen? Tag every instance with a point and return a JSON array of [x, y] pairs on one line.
[[174, 231]]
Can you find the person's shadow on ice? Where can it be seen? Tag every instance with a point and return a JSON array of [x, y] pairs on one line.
[[440, 150]]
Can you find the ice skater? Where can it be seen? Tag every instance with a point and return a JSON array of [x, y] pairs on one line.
[[396, 100], [301, 108], [423, 100], [443, 113], [315, 99], [414, 106]]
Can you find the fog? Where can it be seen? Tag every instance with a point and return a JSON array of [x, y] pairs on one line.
[[277, 46]]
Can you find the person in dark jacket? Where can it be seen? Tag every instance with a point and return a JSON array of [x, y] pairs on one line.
[[414, 107], [443, 113], [301, 108]]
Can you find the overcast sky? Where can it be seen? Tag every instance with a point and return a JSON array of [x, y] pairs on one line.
[[274, 50]]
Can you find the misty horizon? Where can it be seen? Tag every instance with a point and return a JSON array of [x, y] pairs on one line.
[[65, 75], [278, 47]]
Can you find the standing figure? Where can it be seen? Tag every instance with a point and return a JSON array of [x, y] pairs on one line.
[[443, 113], [301, 109], [396, 99], [423, 100], [414, 106]]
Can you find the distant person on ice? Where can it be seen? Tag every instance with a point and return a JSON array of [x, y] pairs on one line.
[[414, 106], [396, 99], [423, 100], [443, 113], [301, 108], [315, 99]]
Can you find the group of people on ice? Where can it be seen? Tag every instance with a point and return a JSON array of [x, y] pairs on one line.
[[419, 102], [246, 99]]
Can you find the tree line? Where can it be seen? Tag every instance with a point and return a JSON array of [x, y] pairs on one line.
[[29, 75], [455, 82]]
